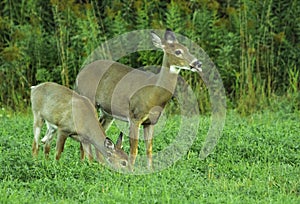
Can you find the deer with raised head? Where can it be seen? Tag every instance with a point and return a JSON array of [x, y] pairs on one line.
[[136, 96], [72, 115]]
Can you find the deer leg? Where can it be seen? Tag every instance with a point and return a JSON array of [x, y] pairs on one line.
[[60, 143], [37, 125], [48, 138], [81, 152], [106, 121], [133, 140], [87, 150], [100, 157], [148, 136]]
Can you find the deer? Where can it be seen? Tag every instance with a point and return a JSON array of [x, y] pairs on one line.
[[135, 96], [72, 115]]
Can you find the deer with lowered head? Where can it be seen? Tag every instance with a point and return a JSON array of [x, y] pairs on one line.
[[71, 114], [136, 96]]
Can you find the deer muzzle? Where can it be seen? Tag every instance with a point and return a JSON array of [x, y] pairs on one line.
[[196, 66]]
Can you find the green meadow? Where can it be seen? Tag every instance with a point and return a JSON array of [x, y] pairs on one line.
[[257, 160]]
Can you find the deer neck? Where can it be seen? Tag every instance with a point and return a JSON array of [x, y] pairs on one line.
[[167, 77], [93, 132], [163, 86]]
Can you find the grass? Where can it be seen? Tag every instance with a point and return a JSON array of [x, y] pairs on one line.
[[257, 160]]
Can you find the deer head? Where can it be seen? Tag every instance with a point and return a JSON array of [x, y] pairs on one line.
[[177, 54]]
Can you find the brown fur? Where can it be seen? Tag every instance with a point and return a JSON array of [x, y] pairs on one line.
[[72, 115]]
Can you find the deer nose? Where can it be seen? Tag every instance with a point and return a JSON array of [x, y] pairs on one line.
[[196, 65]]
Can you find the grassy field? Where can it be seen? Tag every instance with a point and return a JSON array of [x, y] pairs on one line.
[[256, 161]]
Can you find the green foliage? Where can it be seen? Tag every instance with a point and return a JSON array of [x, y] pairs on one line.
[[254, 44], [256, 161]]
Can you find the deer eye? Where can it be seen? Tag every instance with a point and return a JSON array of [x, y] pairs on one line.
[[178, 52], [123, 163]]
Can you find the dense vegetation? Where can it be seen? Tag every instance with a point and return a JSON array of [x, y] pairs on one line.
[[256, 161], [254, 44]]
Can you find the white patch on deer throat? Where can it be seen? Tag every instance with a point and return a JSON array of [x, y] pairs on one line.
[[174, 69]]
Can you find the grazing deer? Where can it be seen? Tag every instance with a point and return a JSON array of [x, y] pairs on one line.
[[71, 115], [135, 96]]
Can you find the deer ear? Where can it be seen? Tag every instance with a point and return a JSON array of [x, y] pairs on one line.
[[170, 36], [108, 143], [120, 141], [156, 40]]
